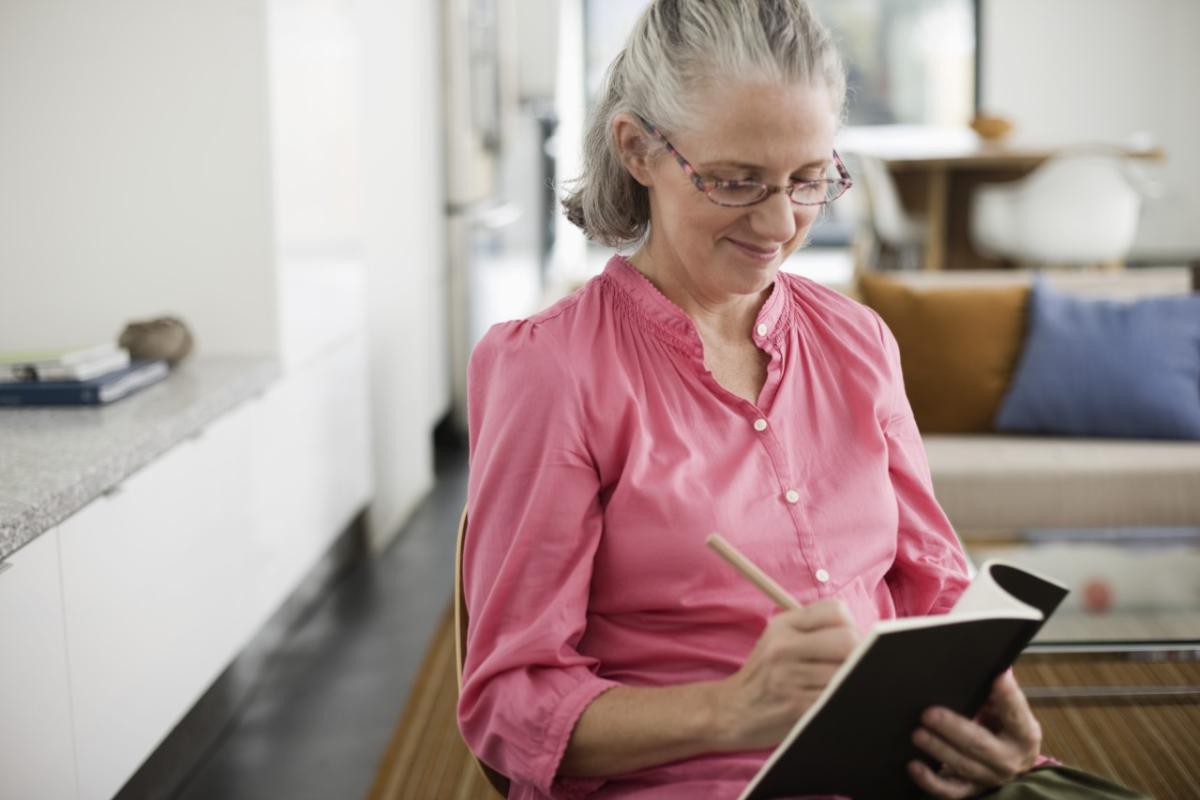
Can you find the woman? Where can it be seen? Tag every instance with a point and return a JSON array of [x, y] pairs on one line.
[[692, 388]]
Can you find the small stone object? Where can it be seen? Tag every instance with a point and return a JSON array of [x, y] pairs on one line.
[[164, 338]]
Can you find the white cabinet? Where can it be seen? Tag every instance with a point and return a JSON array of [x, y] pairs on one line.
[[312, 467], [114, 623], [36, 759], [155, 578], [168, 576]]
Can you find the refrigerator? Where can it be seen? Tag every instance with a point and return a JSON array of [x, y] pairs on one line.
[[493, 269]]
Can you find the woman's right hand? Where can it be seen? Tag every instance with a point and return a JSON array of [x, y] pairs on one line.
[[786, 671]]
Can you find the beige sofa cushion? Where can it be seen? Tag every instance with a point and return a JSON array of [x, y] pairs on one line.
[[994, 482], [1124, 284]]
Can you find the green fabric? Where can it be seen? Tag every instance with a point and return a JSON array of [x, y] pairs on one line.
[[1062, 783]]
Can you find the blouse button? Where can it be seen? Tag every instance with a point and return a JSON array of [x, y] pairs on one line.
[[822, 576], [762, 330], [760, 425], [792, 496]]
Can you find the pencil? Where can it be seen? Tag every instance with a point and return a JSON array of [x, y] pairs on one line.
[[751, 571]]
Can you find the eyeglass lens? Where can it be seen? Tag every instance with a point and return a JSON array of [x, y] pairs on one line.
[[743, 193]]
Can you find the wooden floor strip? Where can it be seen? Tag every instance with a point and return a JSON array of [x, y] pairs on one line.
[[1150, 744], [426, 758]]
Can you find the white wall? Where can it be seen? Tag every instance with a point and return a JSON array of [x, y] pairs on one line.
[[1101, 70], [404, 226], [537, 32], [134, 177], [570, 262], [356, 122], [314, 65], [214, 158]]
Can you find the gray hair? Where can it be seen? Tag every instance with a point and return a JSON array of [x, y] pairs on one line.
[[677, 47]]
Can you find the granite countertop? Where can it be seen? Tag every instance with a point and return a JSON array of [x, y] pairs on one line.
[[54, 461]]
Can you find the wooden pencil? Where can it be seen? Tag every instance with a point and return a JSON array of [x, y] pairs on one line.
[[751, 571]]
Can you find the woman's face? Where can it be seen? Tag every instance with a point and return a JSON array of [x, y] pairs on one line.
[[747, 131]]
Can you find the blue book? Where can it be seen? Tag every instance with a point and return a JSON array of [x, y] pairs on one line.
[[94, 392]]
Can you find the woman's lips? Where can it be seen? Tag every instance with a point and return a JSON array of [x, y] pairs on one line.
[[756, 253]]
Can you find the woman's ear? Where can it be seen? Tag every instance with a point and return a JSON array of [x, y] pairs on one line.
[[633, 145]]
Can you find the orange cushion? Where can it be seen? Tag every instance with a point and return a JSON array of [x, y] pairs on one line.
[[958, 348]]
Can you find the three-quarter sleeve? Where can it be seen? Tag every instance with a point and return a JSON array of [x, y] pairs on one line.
[[534, 525], [930, 570]]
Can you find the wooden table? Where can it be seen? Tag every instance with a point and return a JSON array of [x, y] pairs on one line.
[[937, 169]]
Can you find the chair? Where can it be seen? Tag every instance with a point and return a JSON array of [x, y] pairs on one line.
[[1075, 209], [461, 618], [892, 226]]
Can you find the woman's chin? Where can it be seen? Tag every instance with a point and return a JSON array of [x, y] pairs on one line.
[[744, 278]]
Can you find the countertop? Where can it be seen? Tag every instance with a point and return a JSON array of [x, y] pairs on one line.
[[54, 461]]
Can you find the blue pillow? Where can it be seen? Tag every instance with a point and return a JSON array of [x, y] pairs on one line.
[[1107, 368]]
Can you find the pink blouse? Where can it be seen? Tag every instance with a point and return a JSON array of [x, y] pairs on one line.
[[603, 453]]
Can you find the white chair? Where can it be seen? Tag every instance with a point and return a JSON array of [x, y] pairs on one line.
[[1074, 209], [892, 226]]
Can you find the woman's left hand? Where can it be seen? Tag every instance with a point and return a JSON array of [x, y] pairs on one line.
[[1000, 744]]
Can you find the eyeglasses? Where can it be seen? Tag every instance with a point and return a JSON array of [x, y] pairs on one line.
[[738, 194]]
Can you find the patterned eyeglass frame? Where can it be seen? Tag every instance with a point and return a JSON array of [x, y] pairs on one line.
[[708, 185]]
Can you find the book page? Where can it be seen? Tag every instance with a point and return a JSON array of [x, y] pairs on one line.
[[986, 595]]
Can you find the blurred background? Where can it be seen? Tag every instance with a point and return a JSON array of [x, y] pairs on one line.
[[338, 197]]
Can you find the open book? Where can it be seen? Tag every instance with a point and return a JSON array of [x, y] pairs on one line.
[[856, 739]]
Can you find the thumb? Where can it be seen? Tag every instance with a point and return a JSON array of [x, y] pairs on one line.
[[1010, 704]]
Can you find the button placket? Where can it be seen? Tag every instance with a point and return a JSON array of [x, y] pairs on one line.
[[808, 549]]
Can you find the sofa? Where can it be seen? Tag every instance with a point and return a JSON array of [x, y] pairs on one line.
[[995, 482]]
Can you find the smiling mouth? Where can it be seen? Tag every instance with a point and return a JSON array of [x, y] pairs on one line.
[[757, 253]]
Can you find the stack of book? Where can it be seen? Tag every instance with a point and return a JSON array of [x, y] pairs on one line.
[[74, 377]]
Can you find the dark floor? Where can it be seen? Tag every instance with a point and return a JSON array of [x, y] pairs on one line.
[[318, 721]]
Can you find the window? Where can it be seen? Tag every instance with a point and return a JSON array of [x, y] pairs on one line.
[[908, 61]]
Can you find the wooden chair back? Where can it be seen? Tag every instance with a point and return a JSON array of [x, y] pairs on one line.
[[461, 618]]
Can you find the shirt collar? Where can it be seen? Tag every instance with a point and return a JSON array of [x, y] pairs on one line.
[[672, 322]]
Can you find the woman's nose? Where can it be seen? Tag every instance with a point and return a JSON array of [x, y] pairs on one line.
[[775, 218]]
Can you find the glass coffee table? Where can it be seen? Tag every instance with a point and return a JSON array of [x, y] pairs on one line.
[[1133, 590], [1114, 675]]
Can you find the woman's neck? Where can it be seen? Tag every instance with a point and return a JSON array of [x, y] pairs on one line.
[[720, 318]]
